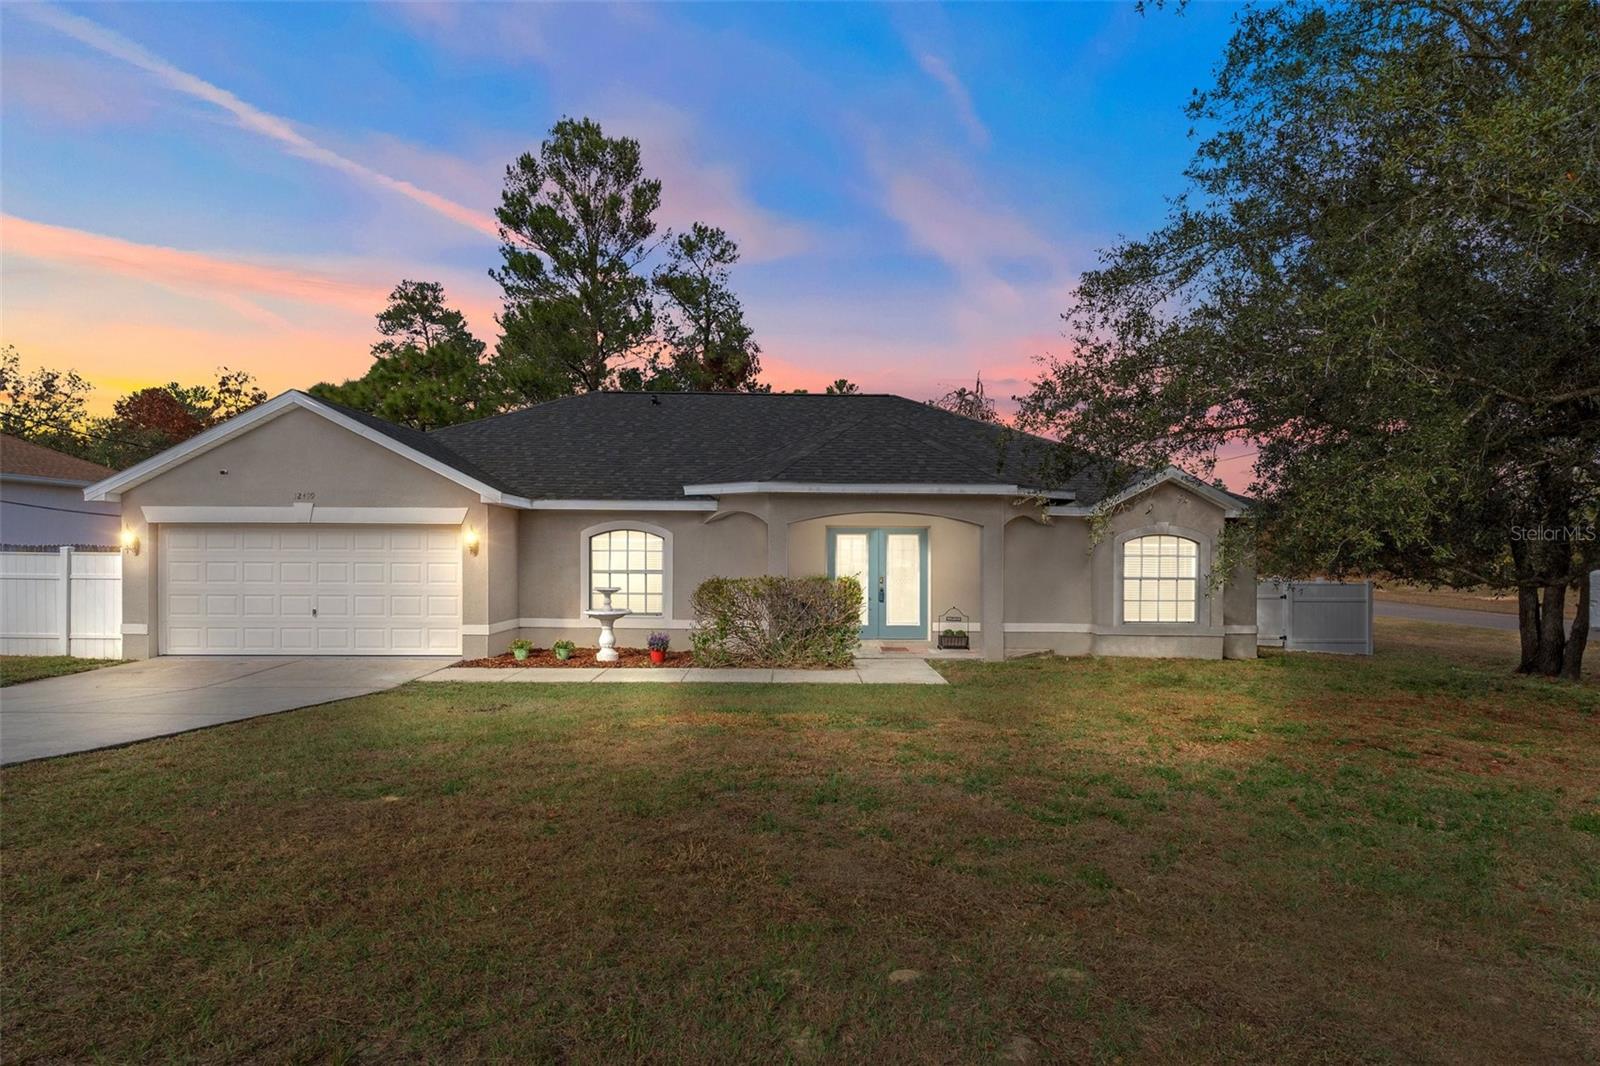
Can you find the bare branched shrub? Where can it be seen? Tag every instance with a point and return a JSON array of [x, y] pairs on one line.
[[776, 621]]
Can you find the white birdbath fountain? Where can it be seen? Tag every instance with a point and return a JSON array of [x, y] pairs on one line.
[[606, 616]]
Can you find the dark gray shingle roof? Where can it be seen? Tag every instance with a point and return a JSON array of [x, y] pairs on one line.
[[631, 445], [647, 446]]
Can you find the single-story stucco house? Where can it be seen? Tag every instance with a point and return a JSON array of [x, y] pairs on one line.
[[41, 498], [304, 527]]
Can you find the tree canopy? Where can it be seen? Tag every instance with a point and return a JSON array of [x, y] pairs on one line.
[[1386, 277], [428, 369], [577, 222], [707, 343]]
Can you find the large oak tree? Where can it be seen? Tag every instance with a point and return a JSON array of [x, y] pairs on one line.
[[1386, 275]]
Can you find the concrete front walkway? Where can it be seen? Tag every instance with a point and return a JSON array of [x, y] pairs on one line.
[[907, 671], [173, 694]]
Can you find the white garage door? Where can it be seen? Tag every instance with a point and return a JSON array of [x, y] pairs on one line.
[[299, 590]]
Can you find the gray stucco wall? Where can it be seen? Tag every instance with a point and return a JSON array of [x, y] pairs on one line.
[[296, 452], [552, 546], [1167, 508]]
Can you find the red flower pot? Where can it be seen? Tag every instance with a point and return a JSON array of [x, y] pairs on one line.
[[657, 657]]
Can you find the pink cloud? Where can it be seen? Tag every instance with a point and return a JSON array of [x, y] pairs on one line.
[[695, 188], [967, 114], [70, 91], [229, 280], [500, 31], [251, 118]]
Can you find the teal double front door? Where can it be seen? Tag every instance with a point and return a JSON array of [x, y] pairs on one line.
[[892, 566]]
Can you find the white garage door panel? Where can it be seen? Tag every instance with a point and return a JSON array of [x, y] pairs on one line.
[[380, 590]]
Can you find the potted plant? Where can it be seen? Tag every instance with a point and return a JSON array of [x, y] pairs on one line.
[[563, 649], [658, 644], [521, 648]]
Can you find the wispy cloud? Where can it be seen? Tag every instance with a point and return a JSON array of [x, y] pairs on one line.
[[939, 70], [74, 92], [696, 188], [229, 281], [945, 210], [273, 127]]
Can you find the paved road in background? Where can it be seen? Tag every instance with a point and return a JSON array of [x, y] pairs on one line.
[[1458, 616]]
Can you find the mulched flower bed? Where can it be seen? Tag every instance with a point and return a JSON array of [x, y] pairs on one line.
[[634, 657]]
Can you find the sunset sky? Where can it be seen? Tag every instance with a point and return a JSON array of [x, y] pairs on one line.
[[915, 188]]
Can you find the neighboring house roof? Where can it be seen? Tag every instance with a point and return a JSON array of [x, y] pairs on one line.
[[25, 459]]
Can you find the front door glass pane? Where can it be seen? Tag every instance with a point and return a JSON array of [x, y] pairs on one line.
[[850, 560], [903, 579]]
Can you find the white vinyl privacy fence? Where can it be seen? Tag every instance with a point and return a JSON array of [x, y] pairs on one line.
[[1330, 616], [61, 603]]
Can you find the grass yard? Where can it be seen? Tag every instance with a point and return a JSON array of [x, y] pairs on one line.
[[15, 669], [1299, 858]]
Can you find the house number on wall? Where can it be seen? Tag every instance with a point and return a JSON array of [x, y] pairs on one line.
[[305, 496]]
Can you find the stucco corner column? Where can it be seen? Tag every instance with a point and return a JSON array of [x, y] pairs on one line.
[[993, 551], [777, 543]]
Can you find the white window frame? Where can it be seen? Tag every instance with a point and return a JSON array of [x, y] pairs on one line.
[[1202, 596], [585, 551]]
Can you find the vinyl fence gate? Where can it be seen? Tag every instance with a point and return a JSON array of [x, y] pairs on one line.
[[61, 603], [1327, 616]]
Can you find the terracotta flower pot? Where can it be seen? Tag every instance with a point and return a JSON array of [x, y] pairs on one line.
[[657, 656]]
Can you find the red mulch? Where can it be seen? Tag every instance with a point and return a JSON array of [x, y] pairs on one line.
[[634, 657]]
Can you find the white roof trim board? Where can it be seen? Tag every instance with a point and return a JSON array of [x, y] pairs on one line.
[[302, 513], [740, 488], [609, 505], [112, 487], [1231, 506]]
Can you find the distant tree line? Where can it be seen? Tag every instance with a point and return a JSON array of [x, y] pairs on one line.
[[51, 407]]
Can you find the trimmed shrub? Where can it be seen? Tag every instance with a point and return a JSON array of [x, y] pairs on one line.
[[776, 621]]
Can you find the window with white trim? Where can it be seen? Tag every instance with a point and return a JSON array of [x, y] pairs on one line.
[[631, 560], [1160, 579]]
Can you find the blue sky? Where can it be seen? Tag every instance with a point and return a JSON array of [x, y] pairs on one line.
[[916, 188]]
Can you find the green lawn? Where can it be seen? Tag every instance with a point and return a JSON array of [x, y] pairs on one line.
[[15, 669], [1298, 858]]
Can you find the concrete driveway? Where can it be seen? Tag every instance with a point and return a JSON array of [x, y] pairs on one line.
[[173, 694]]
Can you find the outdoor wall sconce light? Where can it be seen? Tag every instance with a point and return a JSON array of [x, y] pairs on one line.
[[470, 539], [130, 541]]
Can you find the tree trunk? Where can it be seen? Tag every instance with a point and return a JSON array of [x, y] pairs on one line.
[[1552, 631], [1528, 628], [1572, 667]]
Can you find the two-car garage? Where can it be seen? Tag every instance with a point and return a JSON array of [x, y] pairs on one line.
[[298, 589]]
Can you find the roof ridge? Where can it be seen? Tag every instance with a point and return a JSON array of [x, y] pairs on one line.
[[809, 445], [961, 454]]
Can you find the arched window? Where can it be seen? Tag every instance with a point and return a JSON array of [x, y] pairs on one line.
[[632, 560], [1160, 579]]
